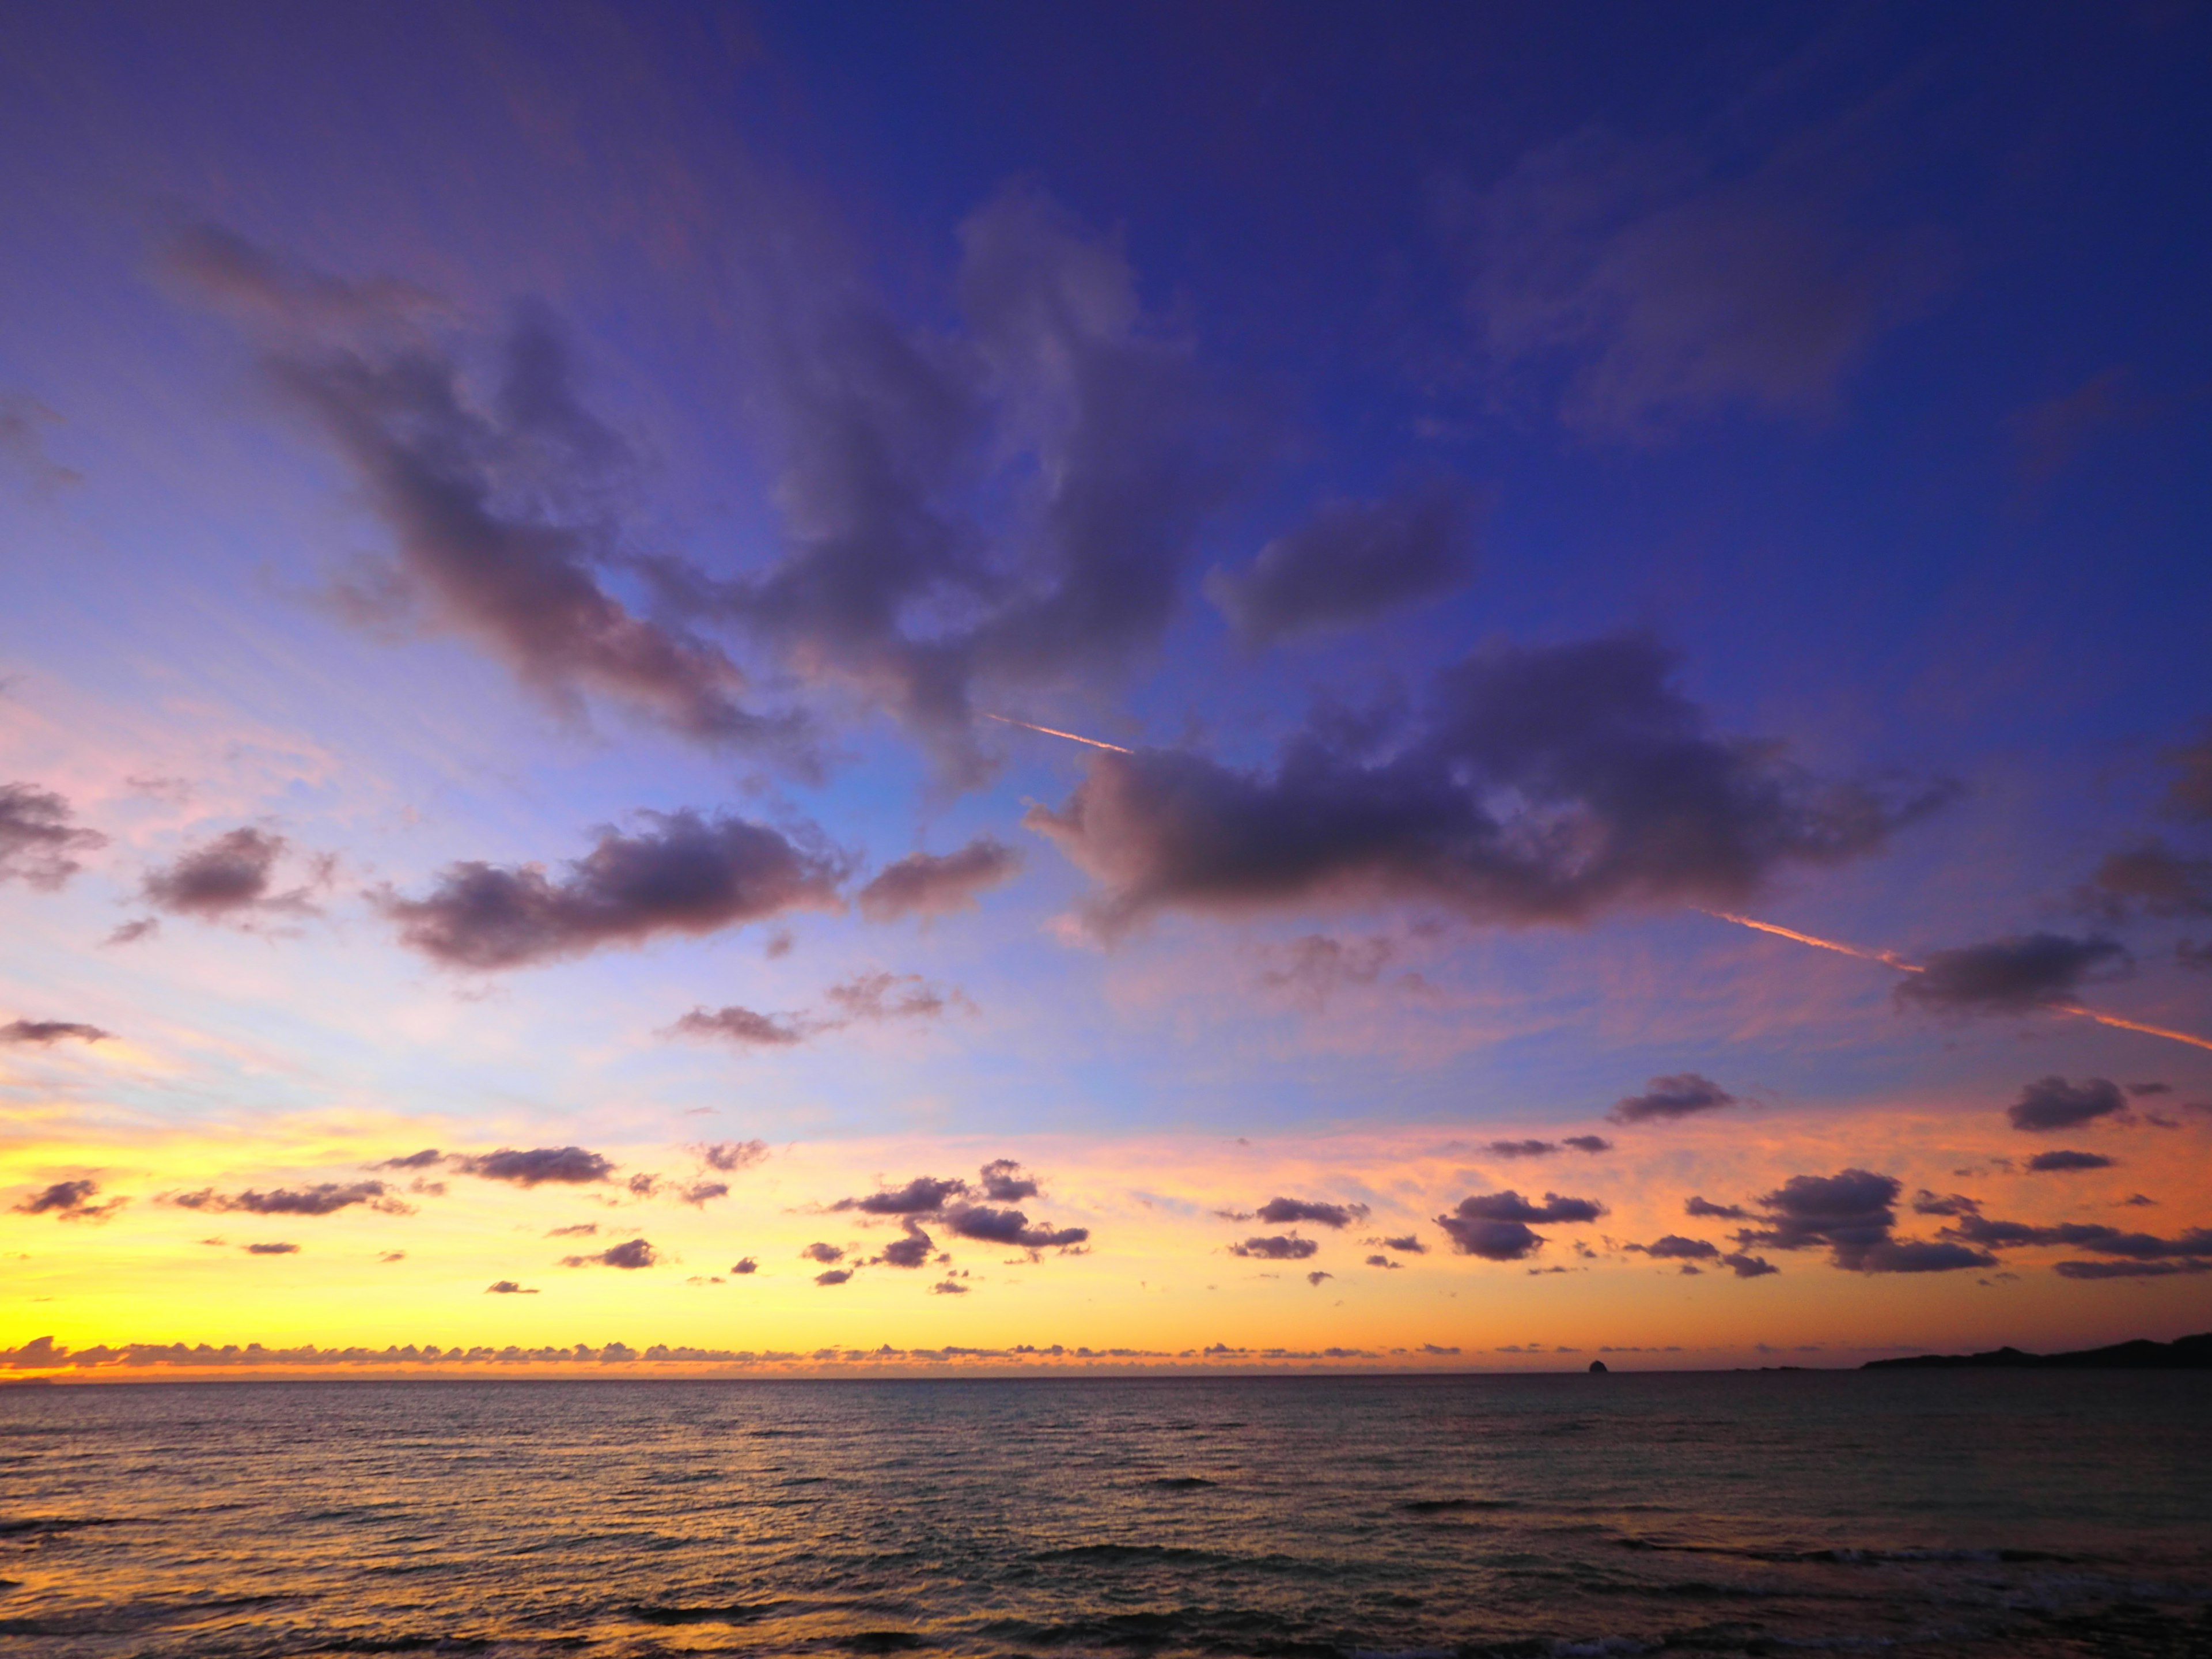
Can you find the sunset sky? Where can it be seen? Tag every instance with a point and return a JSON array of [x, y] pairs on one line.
[[537, 542]]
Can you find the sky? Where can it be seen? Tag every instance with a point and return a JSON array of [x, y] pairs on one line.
[[800, 688]]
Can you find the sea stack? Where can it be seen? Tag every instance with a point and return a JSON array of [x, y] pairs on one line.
[[1597, 1368]]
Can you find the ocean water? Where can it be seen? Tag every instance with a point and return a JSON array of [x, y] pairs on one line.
[[1936, 1514]]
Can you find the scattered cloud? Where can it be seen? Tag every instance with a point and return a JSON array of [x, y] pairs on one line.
[[2063, 1162], [2052, 1102], [1350, 563], [934, 885], [631, 1254], [507, 1287], [1672, 1247], [272, 1249], [538, 1166], [1667, 1098], [1276, 1248], [744, 1028], [1854, 1214], [1315, 1277], [729, 1155], [1704, 1209], [1494, 1225], [1282, 1212], [325, 1198], [70, 1200], [44, 1033], [38, 837], [2149, 879], [745, 1267], [232, 879], [683, 873], [2014, 976]]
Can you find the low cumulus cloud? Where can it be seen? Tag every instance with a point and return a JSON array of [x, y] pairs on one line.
[[744, 1028], [272, 1249], [1853, 1215], [1276, 1247], [1665, 1099], [1350, 563], [44, 1033], [1406, 1243], [2133, 1256], [39, 837], [233, 878], [874, 998], [1705, 1209], [1590, 1145], [1288, 1211], [325, 1198], [1672, 1247], [934, 885], [683, 873], [1540, 784], [630, 1254], [745, 1267], [949, 1199], [834, 1276], [1495, 1225], [2062, 1163], [824, 1253], [729, 1155], [535, 1166], [70, 1200], [508, 1287], [2054, 1103], [2017, 974]]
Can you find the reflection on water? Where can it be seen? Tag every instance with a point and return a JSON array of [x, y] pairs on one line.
[[1990, 1514]]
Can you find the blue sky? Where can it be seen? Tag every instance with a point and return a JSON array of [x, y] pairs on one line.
[[1519, 480]]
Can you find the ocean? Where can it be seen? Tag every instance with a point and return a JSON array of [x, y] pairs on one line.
[[1943, 1514]]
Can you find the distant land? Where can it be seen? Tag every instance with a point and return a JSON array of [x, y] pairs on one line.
[[2184, 1353]]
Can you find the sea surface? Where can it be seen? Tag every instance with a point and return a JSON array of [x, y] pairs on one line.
[[1923, 1514]]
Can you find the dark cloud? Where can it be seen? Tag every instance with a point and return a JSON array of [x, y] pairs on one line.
[[1276, 1248], [1666, 1098], [326, 1198], [2151, 880], [642, 1185], [44, 1033], [1544, 784], [537, 1166], [2142, 1090], [1926, 1203], [1510, 1206], [2096, 1237], [1408, 1243], [729, 1155], [1349, 563], [1673, 1246], [230, 878], [507, 1287], [1522, 1148], [2128, 1269], [272, 1249], [2055, 1162], [633, 1253], [2014, 976], [1591, 1145], [745, 1266], [1059, 398], [912, 1251], [923, 1195], [744, 1027], [578, 1230], [1382, 1261], [1494, 1225], [933, 885], [427, 1159], [70, 1200], [948, 1287], [1854, 1214], [2052, 1102], [823, 1253], [699, 1192], [1283, 1211], [1005, 1181], [834, 1276], [995, 1226], [684, 873], [1642, 286], [501, 499], [2189, 795], [1750, 1266], [1315, 1277], [37, 837], [1704, 1209], [130, 933]]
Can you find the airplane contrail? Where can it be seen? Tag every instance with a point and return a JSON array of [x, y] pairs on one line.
[[1890, 959], [1052, 732]]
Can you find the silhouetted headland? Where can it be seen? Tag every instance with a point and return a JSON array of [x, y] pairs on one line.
[[2184, 1353]]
